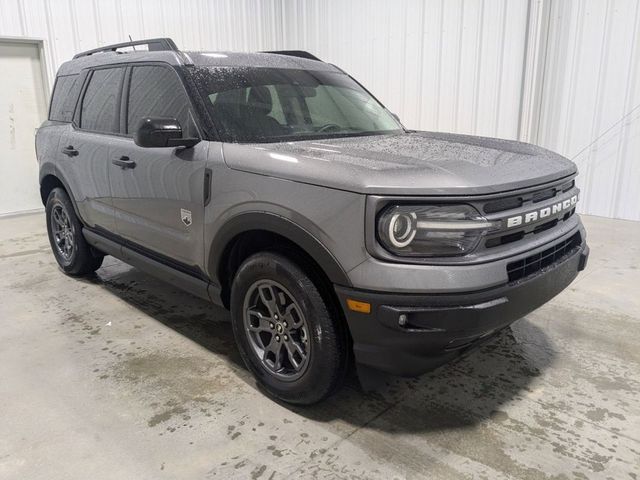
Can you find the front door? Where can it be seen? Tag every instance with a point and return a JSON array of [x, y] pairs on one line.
[[158, 193]]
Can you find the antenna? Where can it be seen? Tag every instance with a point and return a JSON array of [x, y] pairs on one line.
[[131, 40]]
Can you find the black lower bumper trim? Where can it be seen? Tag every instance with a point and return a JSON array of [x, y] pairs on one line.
[[408, 335]]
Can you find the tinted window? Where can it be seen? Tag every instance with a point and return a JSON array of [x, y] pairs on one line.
[[99, 106], [63, 100], [157, 92], [270, 105]]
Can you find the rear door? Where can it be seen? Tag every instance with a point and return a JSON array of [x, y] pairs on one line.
[[84, 159], [158, 198]]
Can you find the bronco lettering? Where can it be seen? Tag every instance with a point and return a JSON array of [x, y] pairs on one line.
[[534, 215]]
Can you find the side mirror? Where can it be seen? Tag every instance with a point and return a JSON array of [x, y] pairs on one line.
[[161, 132], [395, 115]]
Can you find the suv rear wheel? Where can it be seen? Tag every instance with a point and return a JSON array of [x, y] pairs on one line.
[[285, 331], [72, 252]]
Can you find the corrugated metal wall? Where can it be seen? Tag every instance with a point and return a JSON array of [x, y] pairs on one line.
[[591, 91], [70, 26], [450, 65]]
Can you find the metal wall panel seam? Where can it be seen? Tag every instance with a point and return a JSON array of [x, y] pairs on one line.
[[476, 103], [501, 63], [623, 141], [573, 76], [458, 69], [529, 68], [597, 117]]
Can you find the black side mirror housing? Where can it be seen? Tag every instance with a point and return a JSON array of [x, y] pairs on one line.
[[159, 132]]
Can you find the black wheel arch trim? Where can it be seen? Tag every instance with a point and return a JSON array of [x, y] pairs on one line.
[[47, 169], [50, 170], [279, 225]]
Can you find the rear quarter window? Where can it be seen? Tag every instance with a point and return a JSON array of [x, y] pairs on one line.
[[64, 97]]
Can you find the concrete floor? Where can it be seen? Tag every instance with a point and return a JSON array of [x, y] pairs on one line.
[[121, 376]]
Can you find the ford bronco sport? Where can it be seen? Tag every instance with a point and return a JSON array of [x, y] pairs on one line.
[[275, 185]]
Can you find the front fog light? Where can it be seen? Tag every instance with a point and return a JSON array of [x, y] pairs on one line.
[[432, 230]]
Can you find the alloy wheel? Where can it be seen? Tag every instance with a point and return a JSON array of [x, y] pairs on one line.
[[63, 234], [276, 329]]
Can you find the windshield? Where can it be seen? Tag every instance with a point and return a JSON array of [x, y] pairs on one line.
[[251, 105]]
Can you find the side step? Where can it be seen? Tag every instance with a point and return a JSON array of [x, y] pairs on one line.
[[193, 285]]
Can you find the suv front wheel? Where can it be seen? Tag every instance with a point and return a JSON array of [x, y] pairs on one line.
[[74, 255], [285, 331]]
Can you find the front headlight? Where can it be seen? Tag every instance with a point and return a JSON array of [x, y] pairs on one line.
[[432, 230]]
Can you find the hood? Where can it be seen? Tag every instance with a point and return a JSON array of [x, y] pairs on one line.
[[415, 163]]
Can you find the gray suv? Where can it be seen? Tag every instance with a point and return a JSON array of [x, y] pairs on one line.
[[276, 185]]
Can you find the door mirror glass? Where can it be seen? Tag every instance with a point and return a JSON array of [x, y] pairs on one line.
[[157, 132]]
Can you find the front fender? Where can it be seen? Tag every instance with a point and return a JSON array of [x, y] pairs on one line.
[[284, 227]]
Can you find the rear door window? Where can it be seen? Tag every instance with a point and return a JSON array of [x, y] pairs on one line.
[[99, 111], [63, 99], [157, 91]]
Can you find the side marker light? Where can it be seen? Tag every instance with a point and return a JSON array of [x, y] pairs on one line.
[[357, 306]]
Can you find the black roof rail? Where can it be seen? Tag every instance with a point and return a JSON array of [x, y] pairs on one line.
[[153, 44], [295, 53]]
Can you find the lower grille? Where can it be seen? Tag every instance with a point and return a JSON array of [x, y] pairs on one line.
[[530, 265]]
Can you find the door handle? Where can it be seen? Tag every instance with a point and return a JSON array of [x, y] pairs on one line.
[[124, 162], [70, 151]]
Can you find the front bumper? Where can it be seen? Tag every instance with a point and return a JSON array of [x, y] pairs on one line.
[[436, 328]]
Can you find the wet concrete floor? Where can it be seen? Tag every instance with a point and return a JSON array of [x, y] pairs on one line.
[[120, 376]]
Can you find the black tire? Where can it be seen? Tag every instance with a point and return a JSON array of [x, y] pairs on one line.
[[79, 258], [326, 344]]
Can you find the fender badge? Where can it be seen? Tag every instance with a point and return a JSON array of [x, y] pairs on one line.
[[185, 215]]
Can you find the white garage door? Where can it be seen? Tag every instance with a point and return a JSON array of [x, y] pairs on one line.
[[23, 107]]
